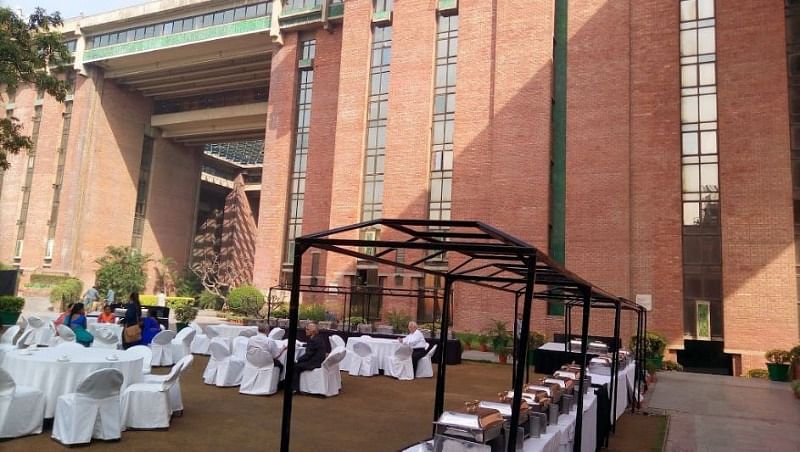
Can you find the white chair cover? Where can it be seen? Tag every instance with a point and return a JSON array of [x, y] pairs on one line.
[[146, 354], [41, 331], [337, 341], [10, 334], [21, 408], [239, 348], [210, 372], [174, 393], [147, 405], [105, 338], [162, 348], [260, 376], [228, 369], [325, 380], [425, 364], [65, 334], [92, 411], [277, 334], [24, 340], [182, 344], [22, 322], [400, 364], [248, 333], [363, 362], [201, 340]]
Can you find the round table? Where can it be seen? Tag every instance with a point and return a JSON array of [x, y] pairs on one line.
[[41, 369], [231, 331], [383, 348]]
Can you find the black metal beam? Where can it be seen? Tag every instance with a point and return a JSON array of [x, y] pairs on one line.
[[519, 358], [294, 303], [582, 384], [438, 406]]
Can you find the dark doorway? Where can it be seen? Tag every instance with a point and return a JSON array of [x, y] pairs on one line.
[[706, 357]]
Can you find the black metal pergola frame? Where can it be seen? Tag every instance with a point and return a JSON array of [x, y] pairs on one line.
[[478, 254]]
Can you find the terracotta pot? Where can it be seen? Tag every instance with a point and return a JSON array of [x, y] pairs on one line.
[[484, 347], [467, 346], [503, 358]]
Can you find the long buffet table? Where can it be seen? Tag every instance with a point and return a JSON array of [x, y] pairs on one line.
[[625, 382], [551, 356]]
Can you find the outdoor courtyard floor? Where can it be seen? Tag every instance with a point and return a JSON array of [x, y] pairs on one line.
[[371, 414]]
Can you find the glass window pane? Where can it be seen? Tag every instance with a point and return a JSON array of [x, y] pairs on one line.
[[707, 74], [688, 42], [709, 176], [690, 143], [689, 109], [708, 142], [689, 75], [691, 213], [239, 13], [708, 107], [705, 9], [691, 178], [705, 40], [688, 10], [228, 16]]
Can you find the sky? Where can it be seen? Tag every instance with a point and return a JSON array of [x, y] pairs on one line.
[[70, 8]]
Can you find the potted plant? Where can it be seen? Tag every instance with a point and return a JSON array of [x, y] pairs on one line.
[[794, 357], [796, 388], [184, 310], [10, 309], [778, 364], [498, 334], [654, 347], [535, 340], [466, 340], [483, 342]]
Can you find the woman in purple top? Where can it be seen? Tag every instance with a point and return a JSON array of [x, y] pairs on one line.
[[150, 327]]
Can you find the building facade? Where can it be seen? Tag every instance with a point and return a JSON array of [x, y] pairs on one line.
[[649, 145]]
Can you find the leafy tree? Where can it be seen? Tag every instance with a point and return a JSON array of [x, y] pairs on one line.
[[122, 269], [246, 301], [31, 52], [166, 276]]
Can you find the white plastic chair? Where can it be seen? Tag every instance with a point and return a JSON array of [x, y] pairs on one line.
[[174, 393], [363, 362], [8, 337], [276, 334], [400, 365], [21, 408], [105, 338], [147, 405], [239, 347], [260, 376], [182, 344], [326, 379], [425, 364], [162, 348], [65, 334], [146, 354], [201, 340], [92, 411], [227, 369]]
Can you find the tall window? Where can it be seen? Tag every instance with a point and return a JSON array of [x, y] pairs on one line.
[[793, 66], [297, 187], [372, 204], [62, 158], [702, 237], [28, 186], [142, 191]]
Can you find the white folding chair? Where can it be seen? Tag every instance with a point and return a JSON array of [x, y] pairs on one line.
[[239, 347], [400, 365], [105, 338], [65, 334], [363, 362], [425, 364], [260, 376], [146, 354], [276, 334], [21, 408], [92, 411], [147, 405], [228, 368], [8, 338], [162, 348], [182, 344], [326, 379], [175, 399], [201, 340]]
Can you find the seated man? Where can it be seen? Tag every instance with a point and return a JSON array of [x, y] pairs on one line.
[[417, 342], [313, 357]]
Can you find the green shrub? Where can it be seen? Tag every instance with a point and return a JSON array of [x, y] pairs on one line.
[[10, 303], [466, 338], [777, 356], [280, 311], [794, 354], [152, 300], [314, 312], [499, 335], [189, 285], [66, 293], [3, 266], [655, 344], [399, 321], [535, 340], [44, 280], [671, 365], [758, 373], [210, 300], [183, 308], [245, 301], [122, 268], [356, 320]]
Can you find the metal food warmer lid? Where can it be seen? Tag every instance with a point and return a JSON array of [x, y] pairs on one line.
[[473, 417], [504, 407], [567, 374]]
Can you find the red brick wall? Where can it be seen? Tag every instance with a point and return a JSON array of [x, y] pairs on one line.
[[760, 305], [239, 233]]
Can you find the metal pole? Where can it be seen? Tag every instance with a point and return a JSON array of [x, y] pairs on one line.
[[644, 348], [294, 303], [514, 342], [587, 299], [530, 280], [438, 406], [615, 367], [566, 328], [637, 362]]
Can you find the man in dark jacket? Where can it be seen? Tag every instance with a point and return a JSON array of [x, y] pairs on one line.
[[312, 358]]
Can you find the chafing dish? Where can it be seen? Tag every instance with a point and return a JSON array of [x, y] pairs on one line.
[[474, 423], [538, 410], [443, 443], [553, 389], [504, 407], [575, 345], [567, 384], [598, 348], [552, 407], [600, 365]]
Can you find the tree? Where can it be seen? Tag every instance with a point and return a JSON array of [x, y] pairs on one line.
[[30, 53], [122, 269], [166, 276], [218, 275]]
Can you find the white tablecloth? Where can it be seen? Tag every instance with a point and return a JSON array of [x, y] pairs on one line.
[[383, 348], [42, 370], [624, 383], [231, 331]]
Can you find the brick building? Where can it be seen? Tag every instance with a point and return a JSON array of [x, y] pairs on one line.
[[648, 145]]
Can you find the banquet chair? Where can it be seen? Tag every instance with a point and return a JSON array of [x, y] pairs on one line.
[[400, 365], [162, 348], [92, 411], [24, 340], [22, 322], [248, 333], [201, 340], [337, 341], [276, 334], [174, 392], [8, 338], [227, 370], [182, 344], [105, 338], [65, 334], [147, 405], [41, 331], [425, 364], [210, 372], [260, 376], [69, 347], [326, 379], [146, 354], [239, 347], [21, 408], [363, 362]]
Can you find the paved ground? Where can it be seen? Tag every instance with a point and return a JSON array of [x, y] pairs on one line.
[[710, 413]]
